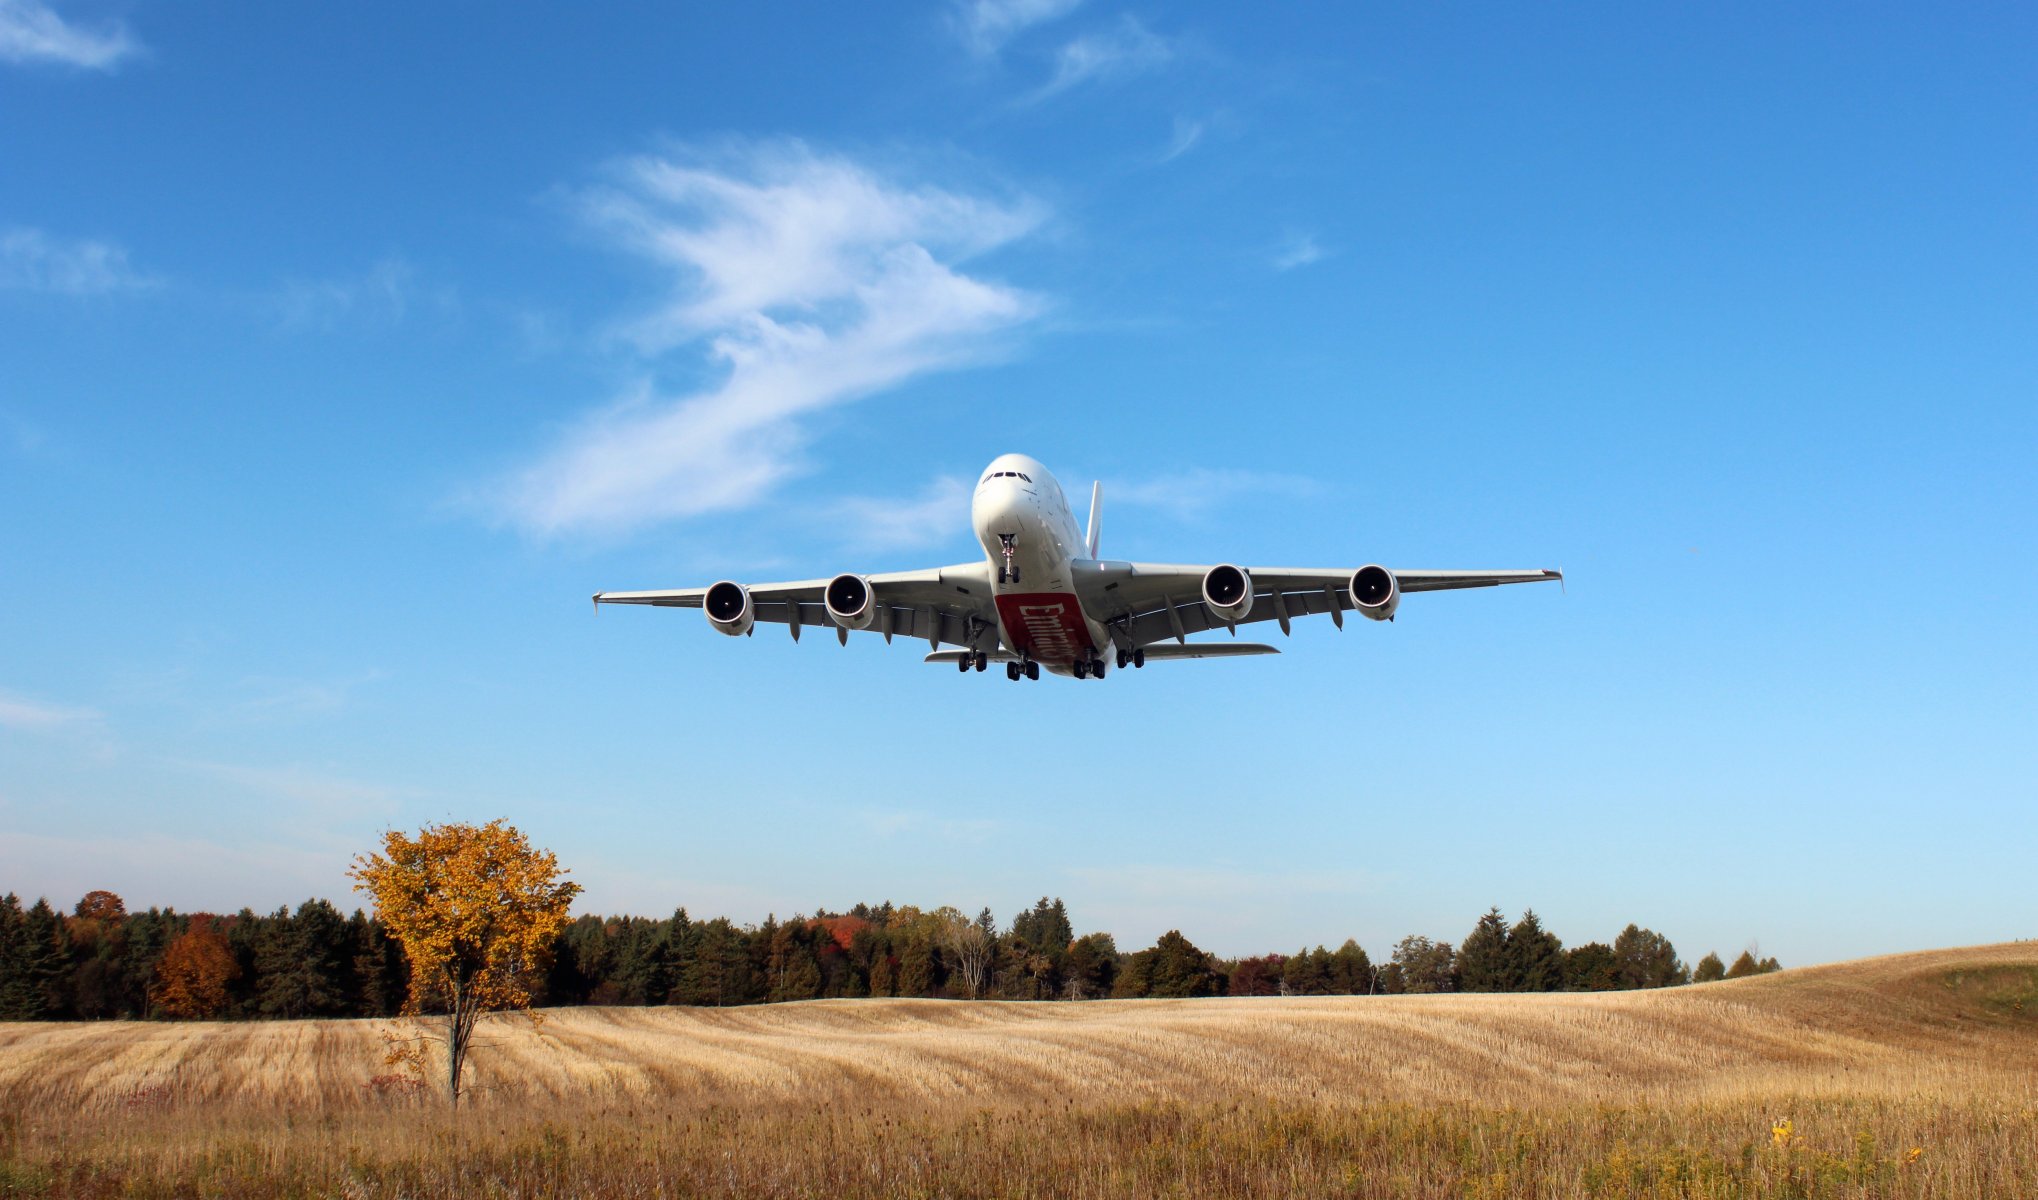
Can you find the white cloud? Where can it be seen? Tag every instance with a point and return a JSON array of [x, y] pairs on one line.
[[35, 716], [383, 295], [1298, 251], [31, 32], [939, 514], [986, 25], [34, 261], [309, 789], [812, 281], [1187, 134], [1193, 491], [1127, 50]]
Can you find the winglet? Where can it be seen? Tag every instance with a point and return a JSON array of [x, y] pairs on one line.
[[1096, 516]]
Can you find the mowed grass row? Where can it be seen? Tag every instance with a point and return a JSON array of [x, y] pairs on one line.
[[1910, 1075]]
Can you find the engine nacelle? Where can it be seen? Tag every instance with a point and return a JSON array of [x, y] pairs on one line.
[[1375, 593], [1227, 593], [851, 602], [729, 609]]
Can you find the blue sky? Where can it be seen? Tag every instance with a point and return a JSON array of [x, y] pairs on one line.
[[345, 352]]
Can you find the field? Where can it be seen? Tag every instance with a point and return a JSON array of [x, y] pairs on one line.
[[1913, 1075]]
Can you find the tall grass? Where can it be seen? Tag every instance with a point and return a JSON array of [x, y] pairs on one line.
[[1911, 1076]]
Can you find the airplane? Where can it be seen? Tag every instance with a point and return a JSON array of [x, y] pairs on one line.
[[1041, 598]]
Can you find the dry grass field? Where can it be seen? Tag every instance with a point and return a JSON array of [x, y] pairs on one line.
[[1913, 1075]]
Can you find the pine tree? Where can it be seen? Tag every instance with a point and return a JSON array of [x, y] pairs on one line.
[[1351, 972], [1306, 974], [1483, 960], [1744, 966], [916, 967], [1535, 958], [1709, 969], [41, 986], [303, 962]]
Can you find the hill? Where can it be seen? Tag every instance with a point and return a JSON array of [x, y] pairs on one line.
[[1964, 1018], [1909, 1076]]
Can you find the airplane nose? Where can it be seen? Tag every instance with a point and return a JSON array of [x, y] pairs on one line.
[[997, 505]]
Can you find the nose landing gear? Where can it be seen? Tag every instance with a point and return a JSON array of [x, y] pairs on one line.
[[1008, 547]]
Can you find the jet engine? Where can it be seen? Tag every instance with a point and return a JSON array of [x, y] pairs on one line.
[[1227, 593], [729, 609], [851, 603], [1375, 593]]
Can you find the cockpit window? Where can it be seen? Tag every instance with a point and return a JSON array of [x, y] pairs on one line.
[[1008, 475]]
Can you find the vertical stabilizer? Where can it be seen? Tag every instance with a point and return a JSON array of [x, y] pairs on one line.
[[1096, 516]]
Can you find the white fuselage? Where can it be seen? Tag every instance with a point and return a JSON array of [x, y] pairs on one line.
[[1019, 507]]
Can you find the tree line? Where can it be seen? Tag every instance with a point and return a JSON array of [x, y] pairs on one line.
[[99, 961]]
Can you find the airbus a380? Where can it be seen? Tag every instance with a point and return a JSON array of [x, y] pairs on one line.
[[1041, 598]]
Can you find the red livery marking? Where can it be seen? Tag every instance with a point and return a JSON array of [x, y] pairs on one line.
[[1046, 627]]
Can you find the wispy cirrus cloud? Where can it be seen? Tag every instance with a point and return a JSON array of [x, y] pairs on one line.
[[1297, 250], [383, 295], [38, 716], [1129, 49], [810, 281], [32, 32], [1191, 492], [32, 260], [1186, 134], [937, 515], [986, 25], [304, 787]]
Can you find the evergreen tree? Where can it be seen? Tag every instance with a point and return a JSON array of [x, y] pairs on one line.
[[1091, 968], [1351, 972], [39, 989], [1175, 967], [916, 966], [303, 961], [1744, 966], [1307, 974], [1483, 961], [1535, 958], [381, 974], [1709, 969], [801, 979]]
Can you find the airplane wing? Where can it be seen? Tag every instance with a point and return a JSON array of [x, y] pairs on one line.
[[1154, 602], [950, 605]]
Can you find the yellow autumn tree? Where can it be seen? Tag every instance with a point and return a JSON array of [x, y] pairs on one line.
[[476, 909]]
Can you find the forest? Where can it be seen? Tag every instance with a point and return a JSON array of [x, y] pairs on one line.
[[102, 962]]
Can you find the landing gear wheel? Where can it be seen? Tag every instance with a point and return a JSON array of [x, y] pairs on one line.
[[1138, 658], [983, 660], [1012, 671], [1080, 668], [1123, 658], [1097, 669], [1033, 670], [962, 664]]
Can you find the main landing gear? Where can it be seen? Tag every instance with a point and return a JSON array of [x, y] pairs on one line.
[[979, 660], [1013, 670], [1136, 657]]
